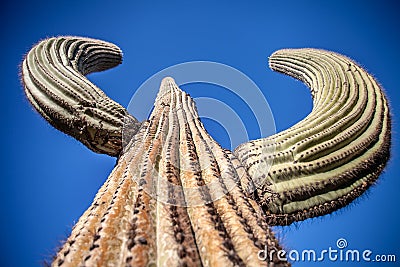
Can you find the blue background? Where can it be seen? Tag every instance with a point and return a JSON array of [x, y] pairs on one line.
[[48, 179]]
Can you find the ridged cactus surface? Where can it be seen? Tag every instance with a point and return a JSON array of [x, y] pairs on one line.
[[53, 75], [175, 197], [335, 153]]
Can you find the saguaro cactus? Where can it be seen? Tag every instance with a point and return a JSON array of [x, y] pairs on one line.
[[204, 212]]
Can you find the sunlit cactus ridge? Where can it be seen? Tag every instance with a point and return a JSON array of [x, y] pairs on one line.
[[319, 165]]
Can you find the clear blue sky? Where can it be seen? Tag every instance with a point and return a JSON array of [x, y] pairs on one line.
[[48, 179]]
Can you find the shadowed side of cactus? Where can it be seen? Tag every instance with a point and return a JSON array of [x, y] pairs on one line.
[[176, 197]]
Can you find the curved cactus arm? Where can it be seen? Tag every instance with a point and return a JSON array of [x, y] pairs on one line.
[[334, 154], [53, 77]]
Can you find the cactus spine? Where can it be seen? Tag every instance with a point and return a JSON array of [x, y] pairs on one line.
[[206, 213]]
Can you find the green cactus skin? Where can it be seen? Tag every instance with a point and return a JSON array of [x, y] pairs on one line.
[[53, 76], [334, 154], [319, 165]]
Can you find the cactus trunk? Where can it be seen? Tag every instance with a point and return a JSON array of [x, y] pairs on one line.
[[173, 157]]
